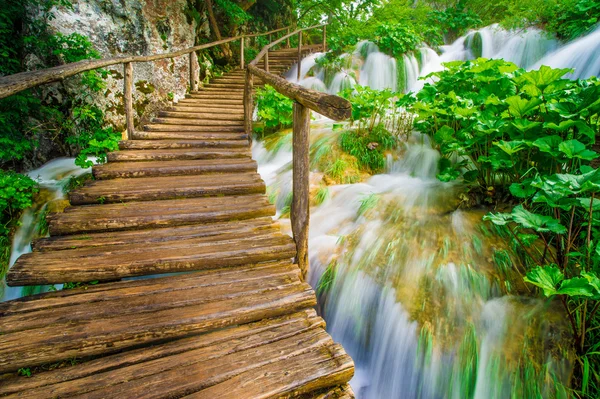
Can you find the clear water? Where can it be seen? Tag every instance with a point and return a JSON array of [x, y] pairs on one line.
[[52, 177]]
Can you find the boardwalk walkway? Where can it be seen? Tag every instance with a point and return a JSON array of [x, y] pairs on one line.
[[183, 196]]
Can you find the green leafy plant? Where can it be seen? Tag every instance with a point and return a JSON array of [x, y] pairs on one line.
[[274, 109], [397, 39]]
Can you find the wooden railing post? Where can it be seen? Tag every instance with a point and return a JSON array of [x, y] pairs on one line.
[[128, 98], [267, 61], [324, 38], [193, 71], [300, 180], [299, 54], [242, 53], [248, 103]]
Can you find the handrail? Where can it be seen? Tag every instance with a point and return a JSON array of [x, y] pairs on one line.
[[305, 99], [12, 84]]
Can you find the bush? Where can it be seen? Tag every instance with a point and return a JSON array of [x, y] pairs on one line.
[[274, 109], [525, 138], [397, 39]]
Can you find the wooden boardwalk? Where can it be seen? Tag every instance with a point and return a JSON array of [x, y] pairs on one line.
[[183, 196]]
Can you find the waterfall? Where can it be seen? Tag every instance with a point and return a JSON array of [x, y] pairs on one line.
[[52, 177], [583, 55]]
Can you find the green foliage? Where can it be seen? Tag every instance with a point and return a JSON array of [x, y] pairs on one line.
[[25, 372], [367, 203], [368, 106], [455, 20], [369, 148], [396, 40], [274, 109], [574, 18], [526, 138], [233, 12], [323, 194]]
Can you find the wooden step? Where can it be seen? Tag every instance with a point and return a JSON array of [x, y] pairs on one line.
[[191, 135], [172, 144], [226, 98], [118, 316], [113, 170], [191, 107], [154, 127], [199, 122], [167, 187], [153, 214], [235, 85], [211, 361], [207, 105], [222, 116], [237, 90], [208, 100], [207, 231], [178, 153], [130, 260]]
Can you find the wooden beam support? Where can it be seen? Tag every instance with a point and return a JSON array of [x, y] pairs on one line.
[[128, 98], [267, 61], [324, 38], [300, 202], [193, 71], [288, 39], [299, 54], [242, 53], [248, 104]]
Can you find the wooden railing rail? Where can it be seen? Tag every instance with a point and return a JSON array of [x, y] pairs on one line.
[[331, 106], [13, 84]]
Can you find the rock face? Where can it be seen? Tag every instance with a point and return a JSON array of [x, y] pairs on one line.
[[133, 27]]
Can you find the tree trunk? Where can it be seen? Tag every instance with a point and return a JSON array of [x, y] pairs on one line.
[[215, 27]]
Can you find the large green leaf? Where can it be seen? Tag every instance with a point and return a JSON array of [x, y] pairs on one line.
[[594, 281], [537, 222], [576, 286], [548, 144], [524, 125], [581, 126], [499, 219], [522, 190], [519, 107], [510, 147], [546, 278], [543, 77], [576, 149]]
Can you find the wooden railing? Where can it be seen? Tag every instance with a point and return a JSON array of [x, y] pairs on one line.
[[13, 84], [331, 106], [305, 100]]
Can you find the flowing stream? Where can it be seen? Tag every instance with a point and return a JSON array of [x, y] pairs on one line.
[[428, 300], [52, 178]]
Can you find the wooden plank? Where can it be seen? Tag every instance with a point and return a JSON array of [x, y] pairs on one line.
[[178, 154], [177, 135], [339, 392], [319, 368], [151, 235], [191, 128], [167, 187], [152, 214], [113, 170], [200, 115], [301, 199], [73, 310], [83, 264], [198, 122], [101, 336], [114, 290], [185, 143], [276, 328]]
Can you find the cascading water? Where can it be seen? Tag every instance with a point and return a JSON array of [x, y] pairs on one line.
[[52, 178], [428, 300]]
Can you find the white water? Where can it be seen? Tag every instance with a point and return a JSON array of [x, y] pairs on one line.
[[527, 48], [52, 177], [409, 342]]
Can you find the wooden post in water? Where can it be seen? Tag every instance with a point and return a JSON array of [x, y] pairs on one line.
[[324, 38], [128, 98], [248, 103], [193, 71], [267, 61], [242, 53], [299, 53], [300, 201]]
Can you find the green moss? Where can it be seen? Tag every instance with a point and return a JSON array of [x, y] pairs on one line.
[[144, 87], [401, 74], [368, 149]]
